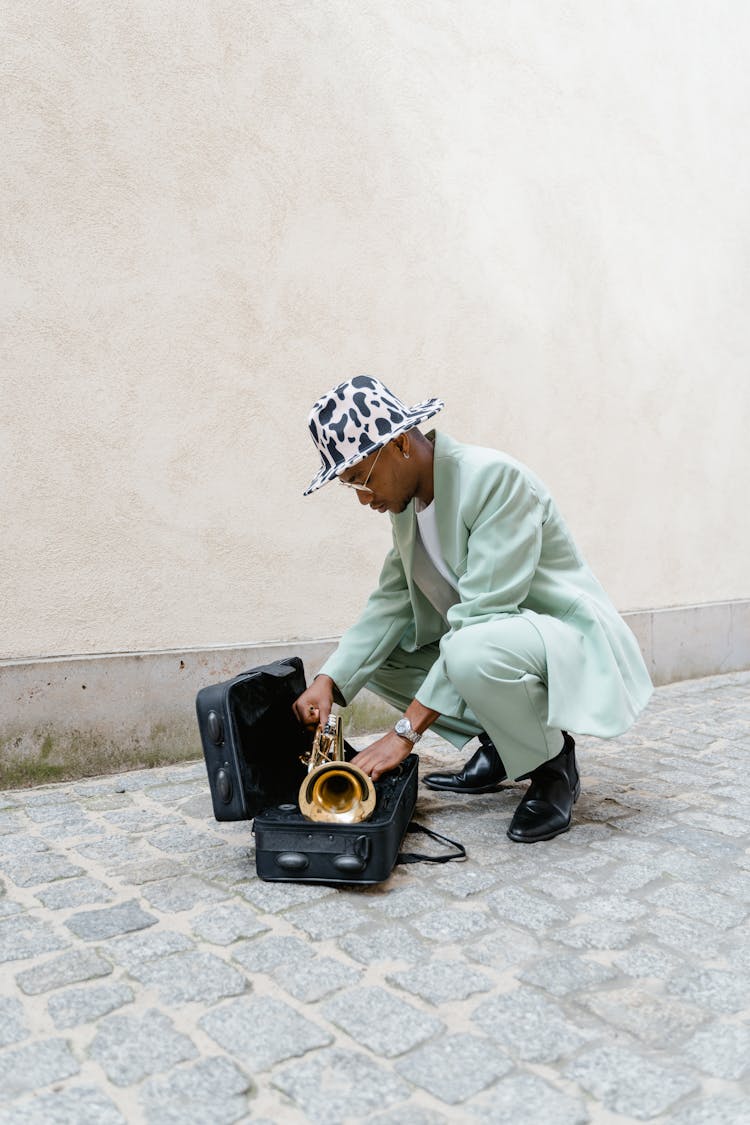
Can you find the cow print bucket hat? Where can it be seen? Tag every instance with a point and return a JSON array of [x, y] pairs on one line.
[[355, 419]]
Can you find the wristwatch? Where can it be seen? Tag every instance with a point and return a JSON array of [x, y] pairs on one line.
[[406, 730]]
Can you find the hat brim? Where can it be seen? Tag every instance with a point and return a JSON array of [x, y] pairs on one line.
[[418, 414]]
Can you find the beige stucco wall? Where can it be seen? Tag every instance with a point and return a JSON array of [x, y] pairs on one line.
[[212, 212]]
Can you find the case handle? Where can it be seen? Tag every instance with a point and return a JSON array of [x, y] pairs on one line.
[[417, 857]]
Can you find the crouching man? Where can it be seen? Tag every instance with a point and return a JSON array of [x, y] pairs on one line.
[[486, 620]]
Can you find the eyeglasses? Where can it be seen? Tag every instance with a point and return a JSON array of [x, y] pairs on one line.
[[363, 487]]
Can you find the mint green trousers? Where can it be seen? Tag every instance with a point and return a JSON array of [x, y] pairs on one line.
[[500, 670]]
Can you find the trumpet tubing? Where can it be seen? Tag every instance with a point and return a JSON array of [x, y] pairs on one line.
[[335, 791]]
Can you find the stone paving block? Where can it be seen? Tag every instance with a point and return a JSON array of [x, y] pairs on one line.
[[261, 1031], [734, 884], [170, 792], [183, 978], [684, 865], [616, 908], [377, 1019], [312, 979], [183, 892], [504, 949], [455, 1067], [70, 968], [96, 925], [221, 925], [464, 881], [329, 919], [335, 1086], [647, 961], [409, 1114], [183, 839], [147, 871], [131, 1048], [702, 843], [113, 849], [520, 908], [95, 800], [566, 974], [720, 1049], [74, 1105], [61, 811], [74, 892], [136, 948], [404, 901], [86, 1005], [7, 908], [628, 1083], [22, 937], [596, 934], [562, 889], [687, 936], [213, 1090], [454, 924], [651, 1017], [200, 807], [271, 898], [12, 1021], [35, 1065], [228, 866], [389, 943], [714, 910], [265, 954], [439, 982], [714, 989], [717, 820], [137, 820], [22, 844], [528, 1026], [525, 1099], [43, 867], [629, 849], [721, 1109]]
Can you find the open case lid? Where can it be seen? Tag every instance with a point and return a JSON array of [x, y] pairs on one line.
[[267, 736]]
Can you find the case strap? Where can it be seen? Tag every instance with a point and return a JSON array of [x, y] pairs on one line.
[[417, 857]]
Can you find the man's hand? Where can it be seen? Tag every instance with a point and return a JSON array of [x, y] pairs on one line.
[[390, 750], [313, 707], [385, 754]]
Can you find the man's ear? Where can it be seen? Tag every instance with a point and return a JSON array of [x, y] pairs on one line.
[[403, 444]]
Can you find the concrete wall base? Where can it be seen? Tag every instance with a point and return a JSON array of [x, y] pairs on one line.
[[79, 716]]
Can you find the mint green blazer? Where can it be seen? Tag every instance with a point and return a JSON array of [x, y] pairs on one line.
[[504, 538]]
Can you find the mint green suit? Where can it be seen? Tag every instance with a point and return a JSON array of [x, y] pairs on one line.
[[532, 646]]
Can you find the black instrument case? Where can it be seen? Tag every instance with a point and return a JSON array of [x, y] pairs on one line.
[[252, 743]]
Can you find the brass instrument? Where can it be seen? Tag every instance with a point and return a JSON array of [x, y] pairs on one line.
[[334, 791]]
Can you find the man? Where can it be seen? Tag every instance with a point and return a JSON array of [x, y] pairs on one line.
[[486, 620]]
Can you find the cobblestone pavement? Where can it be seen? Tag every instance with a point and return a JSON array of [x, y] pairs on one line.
[[149, 976]]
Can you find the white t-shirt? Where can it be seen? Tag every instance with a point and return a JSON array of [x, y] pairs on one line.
[[428, 531]]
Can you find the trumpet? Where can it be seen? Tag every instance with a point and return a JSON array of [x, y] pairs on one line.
[[334, 791]]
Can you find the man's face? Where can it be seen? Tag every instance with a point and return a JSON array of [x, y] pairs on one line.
[[387, 478]]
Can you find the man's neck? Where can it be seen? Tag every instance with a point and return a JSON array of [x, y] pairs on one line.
[[426, 483]]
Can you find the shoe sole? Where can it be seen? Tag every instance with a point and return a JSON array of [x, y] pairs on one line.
[[538, 839], [463, 789]]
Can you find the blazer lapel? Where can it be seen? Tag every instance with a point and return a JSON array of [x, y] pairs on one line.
[[447, 496]]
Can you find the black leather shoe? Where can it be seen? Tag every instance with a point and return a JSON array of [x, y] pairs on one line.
[[547, 804], [482, 773]]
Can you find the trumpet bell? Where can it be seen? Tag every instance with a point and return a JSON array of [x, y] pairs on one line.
[[337, 793]]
